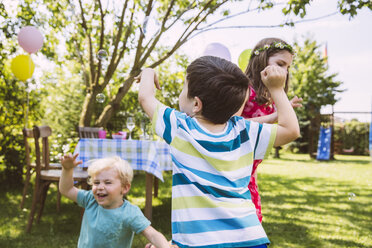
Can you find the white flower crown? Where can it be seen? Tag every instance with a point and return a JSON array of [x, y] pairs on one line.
[[278, 45]]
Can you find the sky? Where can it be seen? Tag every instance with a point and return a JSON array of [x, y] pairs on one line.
[[349, 44]]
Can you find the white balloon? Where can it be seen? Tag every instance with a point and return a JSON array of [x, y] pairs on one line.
[[218, 50]]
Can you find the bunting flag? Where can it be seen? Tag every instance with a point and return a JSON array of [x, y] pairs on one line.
[[325, 53]]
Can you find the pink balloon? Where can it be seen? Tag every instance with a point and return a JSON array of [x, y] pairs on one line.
[[30, 39]]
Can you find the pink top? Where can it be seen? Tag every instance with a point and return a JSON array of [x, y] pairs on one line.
[[252, 109]]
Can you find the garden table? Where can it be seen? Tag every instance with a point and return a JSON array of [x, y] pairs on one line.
[[146, 155]]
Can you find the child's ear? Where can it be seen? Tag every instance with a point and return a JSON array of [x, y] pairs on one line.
[[125, 189], [240, 111], [198, 105]]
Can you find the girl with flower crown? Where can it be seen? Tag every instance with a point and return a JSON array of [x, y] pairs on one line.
[[260, 107]]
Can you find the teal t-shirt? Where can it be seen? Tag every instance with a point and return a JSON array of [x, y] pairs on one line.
[[108, 227]]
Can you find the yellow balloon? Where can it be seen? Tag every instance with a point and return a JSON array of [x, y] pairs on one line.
[[244, 58], [23, 67]]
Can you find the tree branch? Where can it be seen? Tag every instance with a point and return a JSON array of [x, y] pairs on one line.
[[157, 38], [264, 26], [114, 64], [80, 58], [235, 15], [101, 40], [182, 39], [140, 40], [162, 28], [91, 59], [181, 14], [115, 103], [197, 16], [118, 36]]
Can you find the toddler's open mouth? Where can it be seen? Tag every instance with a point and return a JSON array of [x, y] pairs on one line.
[[101, 195]]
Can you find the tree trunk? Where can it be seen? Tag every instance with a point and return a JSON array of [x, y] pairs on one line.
[[314, 134], [114, 105], [87, 111], [311, 133], [277, 149]]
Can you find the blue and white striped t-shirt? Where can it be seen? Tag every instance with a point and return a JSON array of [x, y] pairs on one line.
[[211, 202]]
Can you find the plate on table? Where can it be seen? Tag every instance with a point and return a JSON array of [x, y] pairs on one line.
[[118, 136]]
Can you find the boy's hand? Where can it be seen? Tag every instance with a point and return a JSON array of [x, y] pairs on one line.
[[273, 77], [148, 71], [69, 161]]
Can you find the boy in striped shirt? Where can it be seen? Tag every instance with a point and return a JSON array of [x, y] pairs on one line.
[[213, 150]]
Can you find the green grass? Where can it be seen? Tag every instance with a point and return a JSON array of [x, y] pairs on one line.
[[305, 204]]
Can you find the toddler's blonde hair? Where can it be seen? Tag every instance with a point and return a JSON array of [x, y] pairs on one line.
[[122, 167]]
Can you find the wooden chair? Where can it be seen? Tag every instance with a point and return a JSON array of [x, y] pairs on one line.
[[88, 132], [44, 175], [30, 166]]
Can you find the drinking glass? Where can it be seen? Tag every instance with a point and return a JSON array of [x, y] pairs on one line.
[[144, 133], [130, 125]]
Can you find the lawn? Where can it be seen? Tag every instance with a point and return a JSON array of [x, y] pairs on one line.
[[305, 203]]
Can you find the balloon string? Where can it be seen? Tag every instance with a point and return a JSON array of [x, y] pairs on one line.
[[27, 90], [29, 66], [26, 109]]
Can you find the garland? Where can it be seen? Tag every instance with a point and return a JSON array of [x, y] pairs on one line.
[[278, 45]]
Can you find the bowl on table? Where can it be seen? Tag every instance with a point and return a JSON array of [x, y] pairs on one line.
[[119, 135]]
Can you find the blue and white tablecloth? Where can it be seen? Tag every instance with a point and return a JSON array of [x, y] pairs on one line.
[[150, 156]]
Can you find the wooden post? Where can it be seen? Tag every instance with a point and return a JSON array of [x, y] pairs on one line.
[[148, 203], [156, 187], [332, 156], [277, 149]]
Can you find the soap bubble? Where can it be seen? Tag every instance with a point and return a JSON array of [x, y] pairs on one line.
[[351, 196], [144, 25], [100, 98], [102, 54]]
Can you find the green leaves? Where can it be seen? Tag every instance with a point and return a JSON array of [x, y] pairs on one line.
[[346, 7], [352, 134], [351, 7], [311, 80], [13, 106], [297, 7]]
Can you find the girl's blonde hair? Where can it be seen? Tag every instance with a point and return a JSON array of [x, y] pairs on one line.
[[122, 167]]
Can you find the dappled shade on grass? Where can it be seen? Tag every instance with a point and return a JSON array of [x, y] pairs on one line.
[[305, 204]]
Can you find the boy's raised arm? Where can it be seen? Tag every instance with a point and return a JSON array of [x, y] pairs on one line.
[[66, 182], [146, 94], [288, 129]]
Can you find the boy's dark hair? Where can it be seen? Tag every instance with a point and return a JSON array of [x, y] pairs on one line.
[[258, 62], [219, 84]]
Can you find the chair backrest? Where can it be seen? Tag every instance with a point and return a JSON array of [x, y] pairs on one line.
[[42, 156], [88, 132], [28, 133]]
